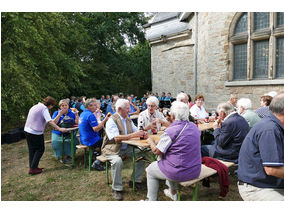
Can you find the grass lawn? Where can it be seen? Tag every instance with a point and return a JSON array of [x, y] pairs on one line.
[[61, 183]]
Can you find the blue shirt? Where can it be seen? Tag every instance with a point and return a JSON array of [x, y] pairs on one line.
[[167, 99], [262, 111], [70, 116], [132, 109], [109, 109], [163, 98], [87, 121], [263, 146]]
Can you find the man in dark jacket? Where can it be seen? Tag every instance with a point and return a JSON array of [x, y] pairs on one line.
[[229, 134]]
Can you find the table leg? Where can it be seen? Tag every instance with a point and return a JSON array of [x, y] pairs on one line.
[[133, 167], [72, 148], [62, 148]]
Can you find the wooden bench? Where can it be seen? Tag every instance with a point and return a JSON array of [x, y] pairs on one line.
[[104, 160], [205, 173], [80, 146]]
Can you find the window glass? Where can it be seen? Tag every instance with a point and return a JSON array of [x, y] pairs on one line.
[[240, 62], [261, 20], [280, 19], [260, 62], [242, 24], [279, 57]]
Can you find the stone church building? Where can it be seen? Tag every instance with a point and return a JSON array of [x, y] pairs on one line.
[[217, 54]]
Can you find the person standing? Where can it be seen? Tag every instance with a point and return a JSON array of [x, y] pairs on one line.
[[36, 121], [261, 159]]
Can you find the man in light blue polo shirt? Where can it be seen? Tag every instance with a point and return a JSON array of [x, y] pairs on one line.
[[261, 158]]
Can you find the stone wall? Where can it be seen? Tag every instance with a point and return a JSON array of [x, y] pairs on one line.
[[173, 68]]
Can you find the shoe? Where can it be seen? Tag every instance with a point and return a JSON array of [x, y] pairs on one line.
[[35, 171], [96, 153], [98, 167], [170, 195], [117, 195], [138, 186]]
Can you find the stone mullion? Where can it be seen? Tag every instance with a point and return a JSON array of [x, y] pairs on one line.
[[250, 48], [272, 46]]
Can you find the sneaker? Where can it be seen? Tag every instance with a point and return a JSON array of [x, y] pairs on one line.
[[117, 195], [98, 167], [66, 161], [138, 186], [170, 195]]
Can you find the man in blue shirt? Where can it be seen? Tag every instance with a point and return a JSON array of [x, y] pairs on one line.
[[89, 127], [261, 158], [163, 96], [111, 106]]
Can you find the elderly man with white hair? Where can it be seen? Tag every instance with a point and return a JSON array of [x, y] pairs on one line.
[[182, 97], [179, 147], [228, 135], [244, 109], [119, 127], [150, 117]]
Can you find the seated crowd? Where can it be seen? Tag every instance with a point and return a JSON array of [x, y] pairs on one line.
[[240, 134]]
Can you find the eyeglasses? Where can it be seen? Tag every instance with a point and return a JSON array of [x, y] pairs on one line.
[[151, 106]]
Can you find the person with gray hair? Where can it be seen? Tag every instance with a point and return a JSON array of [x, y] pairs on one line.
[[261, 160], [118, 128], [149, 118], [182, 97], [244, 109], [179, 147], [89, 128], [229, 134], [233, 101]]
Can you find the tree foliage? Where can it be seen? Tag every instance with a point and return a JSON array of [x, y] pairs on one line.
[[64, 54]]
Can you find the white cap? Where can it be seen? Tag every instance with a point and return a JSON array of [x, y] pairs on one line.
[[272, 94]]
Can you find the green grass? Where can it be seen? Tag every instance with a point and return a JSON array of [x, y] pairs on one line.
[[61, 183]]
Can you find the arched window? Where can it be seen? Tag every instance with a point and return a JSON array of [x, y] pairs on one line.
[[242, 24], [256, 43]]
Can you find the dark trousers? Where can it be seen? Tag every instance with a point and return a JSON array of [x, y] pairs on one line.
[[36, 149]]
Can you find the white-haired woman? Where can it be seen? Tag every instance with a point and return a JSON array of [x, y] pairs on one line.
[[244, 109], [148, 118], [179, 148], [64, 118]]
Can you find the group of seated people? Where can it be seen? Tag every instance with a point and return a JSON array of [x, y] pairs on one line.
[[241, 136]]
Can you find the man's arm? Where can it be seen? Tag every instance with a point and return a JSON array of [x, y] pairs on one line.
[[275, 171], [120, 138], [223, 135]]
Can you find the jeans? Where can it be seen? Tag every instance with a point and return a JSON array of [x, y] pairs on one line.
[[205, 149], [36, 149]]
